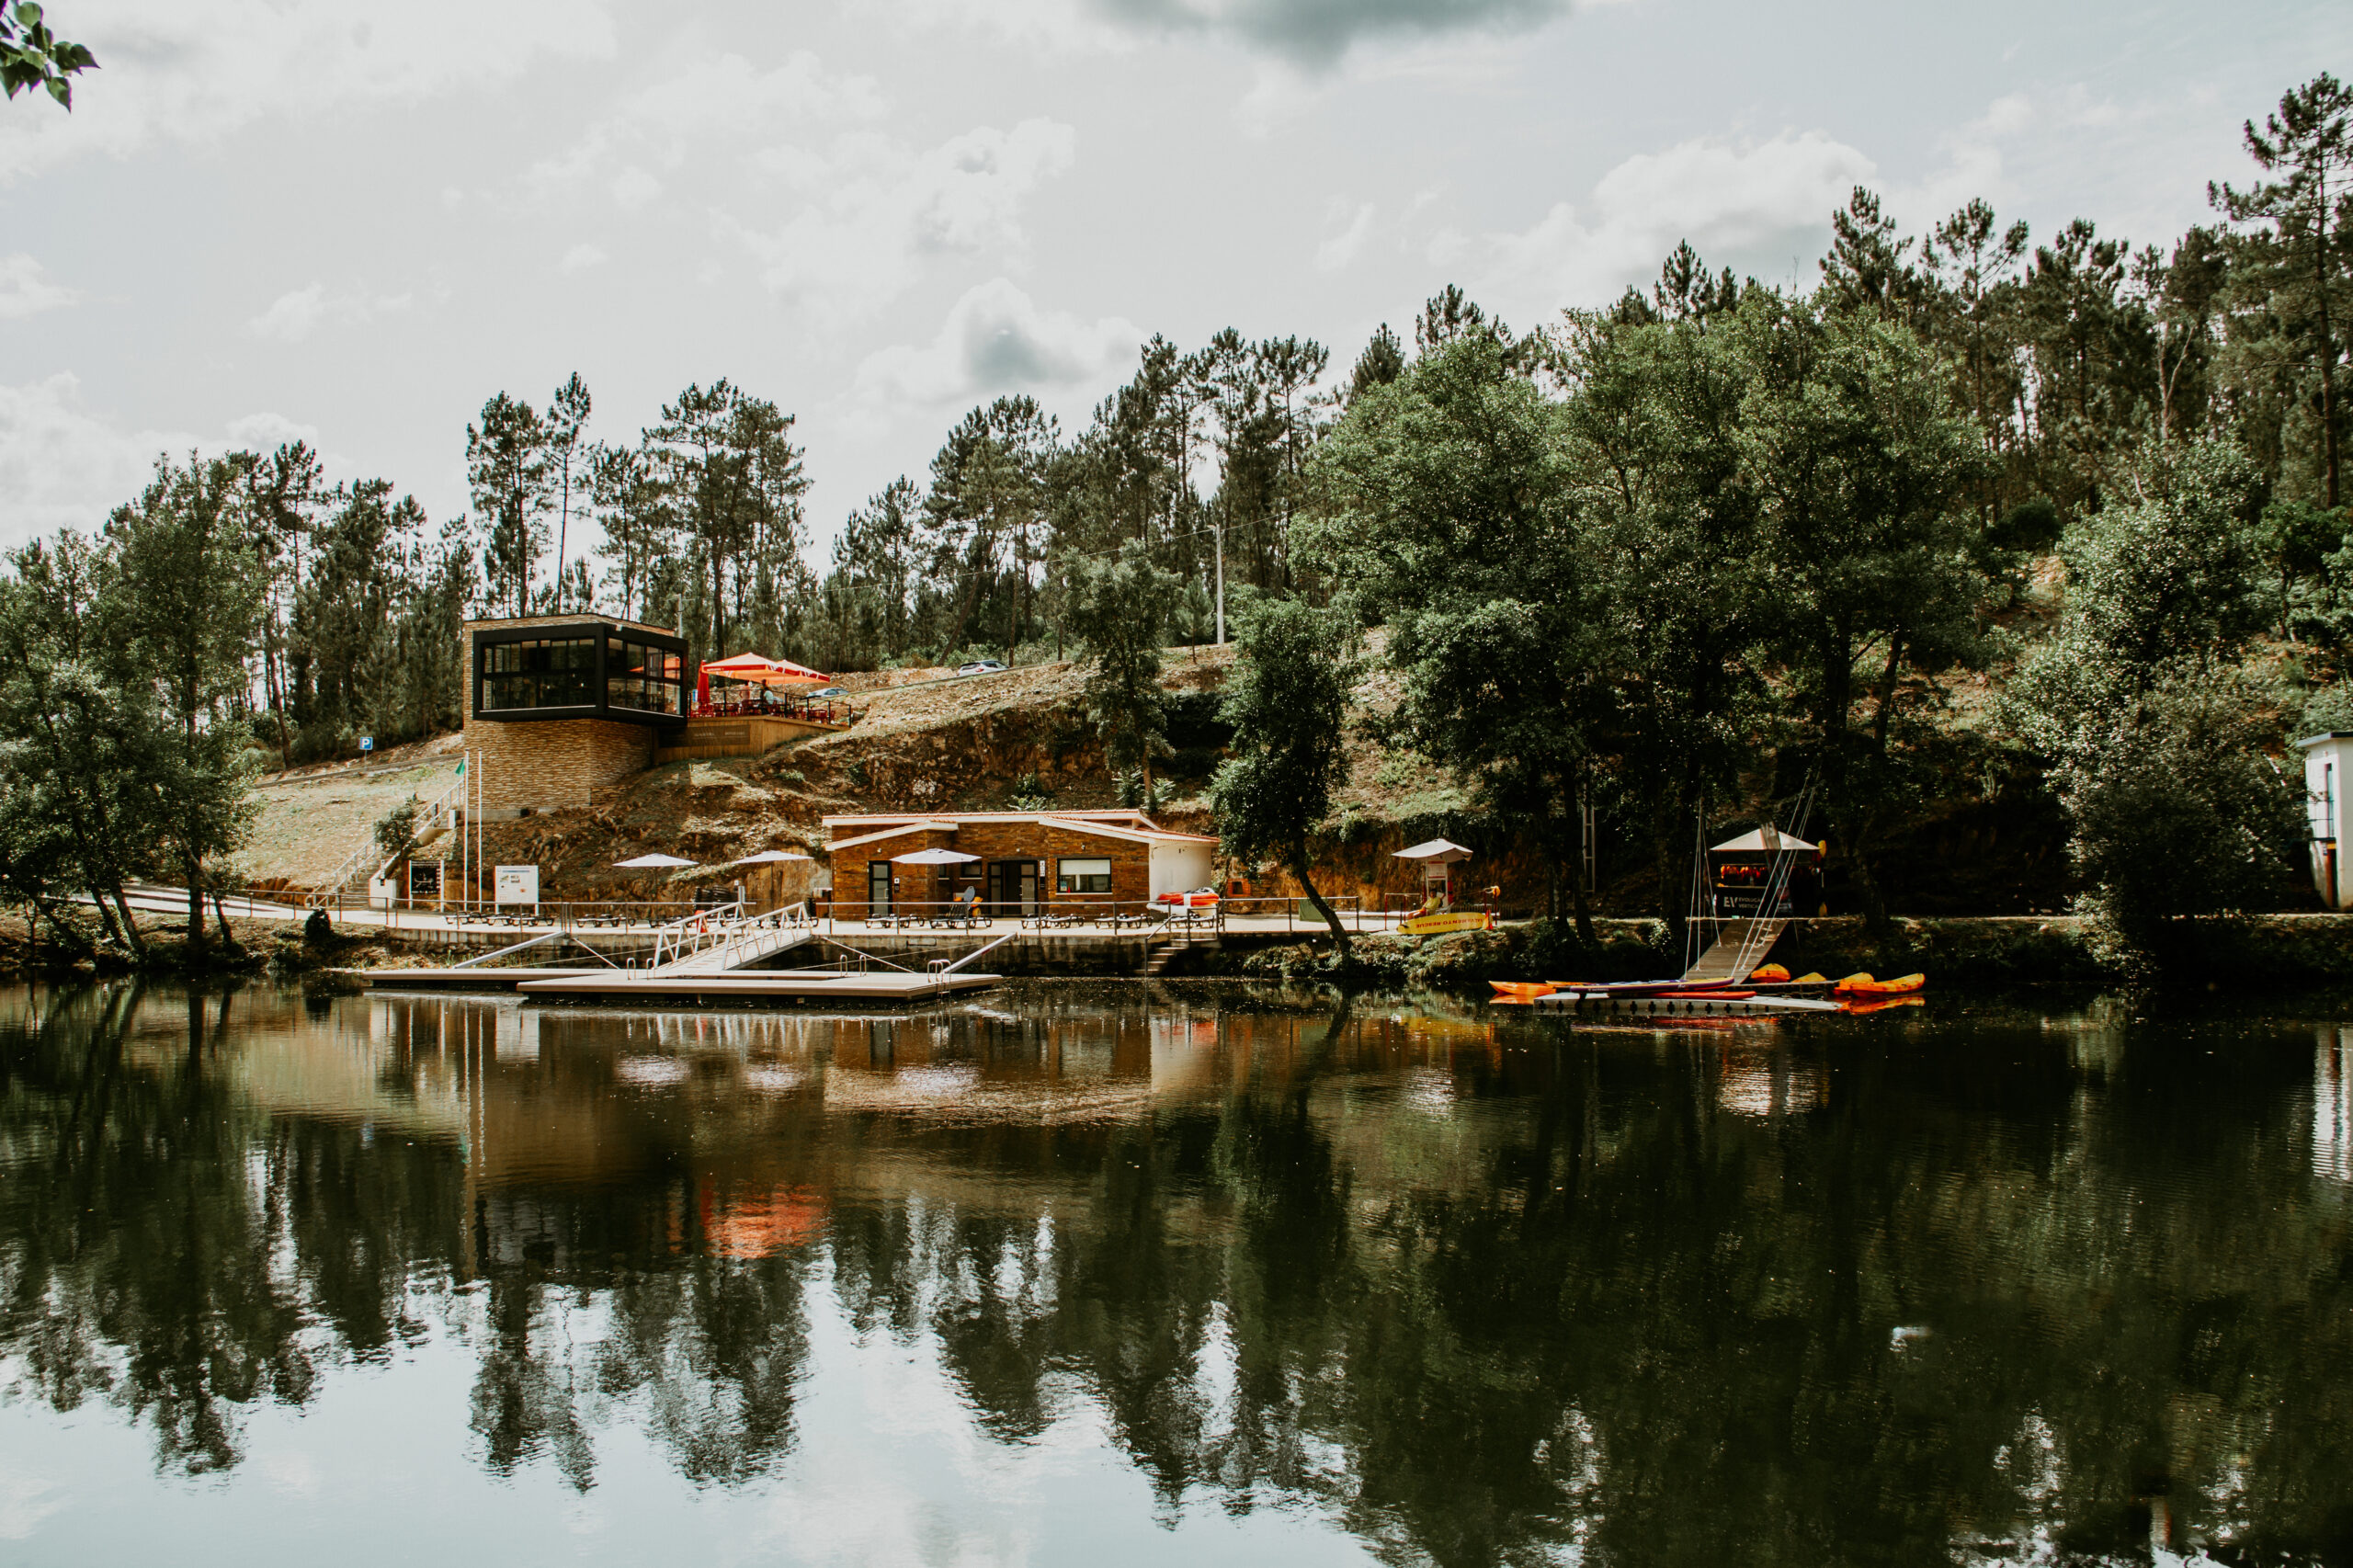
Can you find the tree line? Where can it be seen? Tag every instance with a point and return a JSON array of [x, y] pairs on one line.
[[1718, 547]]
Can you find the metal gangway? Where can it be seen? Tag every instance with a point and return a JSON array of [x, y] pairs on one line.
[[727, 936], [1739, 948]]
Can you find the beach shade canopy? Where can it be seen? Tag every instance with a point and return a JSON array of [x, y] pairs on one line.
[[1753, 842], [934, 857], [767, 857], [1436, 852], [646, 862], [759, 667]]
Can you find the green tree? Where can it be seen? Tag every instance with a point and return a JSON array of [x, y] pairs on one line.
[[1116, 610], [1288, 701], [734, 482], [568, 459], [626, 489], [1863, 459], [1445, 505], [2153, 734], [2298, 258], [187, 588], [506, 466], [31, 56], [78, 735]]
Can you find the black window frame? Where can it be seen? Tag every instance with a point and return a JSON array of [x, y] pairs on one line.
[[599, 634]]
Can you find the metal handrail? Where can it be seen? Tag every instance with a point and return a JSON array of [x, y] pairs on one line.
[[430, 815], [727, 938]]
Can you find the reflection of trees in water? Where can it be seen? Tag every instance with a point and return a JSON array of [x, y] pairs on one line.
[[1637, 1297]]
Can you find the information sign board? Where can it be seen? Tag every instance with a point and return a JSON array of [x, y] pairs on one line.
[[517, 884]]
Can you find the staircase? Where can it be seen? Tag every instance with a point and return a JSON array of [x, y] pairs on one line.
[[1162, 948], [1740, 947], [435, 819]]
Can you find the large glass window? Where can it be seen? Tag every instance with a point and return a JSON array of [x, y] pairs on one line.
[[641, 677], [1082, 876], [541, 673]]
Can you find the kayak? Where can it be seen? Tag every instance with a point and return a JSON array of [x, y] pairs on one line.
[[1705, 996], [1864, 985], [1522, 990]]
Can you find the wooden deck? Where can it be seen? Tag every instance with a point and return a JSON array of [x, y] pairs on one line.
[[745, 735], [771, 985], [738, 987], [1652, 1007]]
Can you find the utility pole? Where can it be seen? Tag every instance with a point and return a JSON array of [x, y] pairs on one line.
[[1220, 526]]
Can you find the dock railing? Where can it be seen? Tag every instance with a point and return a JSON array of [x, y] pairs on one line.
[[1147, 915]]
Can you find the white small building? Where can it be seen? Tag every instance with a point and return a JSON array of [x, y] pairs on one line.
[[2325, 757]]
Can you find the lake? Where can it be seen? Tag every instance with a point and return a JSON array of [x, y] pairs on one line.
[[1127, 1274]]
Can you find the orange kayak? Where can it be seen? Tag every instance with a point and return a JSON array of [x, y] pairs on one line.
[[1864, 985], [1522, 990]]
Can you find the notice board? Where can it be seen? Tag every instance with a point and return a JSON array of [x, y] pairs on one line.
[[517, 884]]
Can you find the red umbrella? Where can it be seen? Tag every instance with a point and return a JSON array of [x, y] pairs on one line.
[[768, 671], [702, 686]]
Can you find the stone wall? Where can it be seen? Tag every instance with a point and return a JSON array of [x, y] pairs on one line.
[[549, 763], [1131, 864]]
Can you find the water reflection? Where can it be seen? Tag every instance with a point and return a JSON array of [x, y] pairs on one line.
[[1985, 1287]]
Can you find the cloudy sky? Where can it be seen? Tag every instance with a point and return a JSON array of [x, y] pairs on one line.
[[354, 222]]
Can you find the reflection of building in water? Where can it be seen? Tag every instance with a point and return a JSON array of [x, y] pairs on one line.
[[2333, 1104], [1763, 1082]]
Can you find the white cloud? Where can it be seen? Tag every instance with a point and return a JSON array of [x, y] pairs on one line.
[[633, 187], [63, 464], [294, 316], [1340, 249], [171, 69], [1309, 33], [267, 432], [867, 212], [724, 100], [997, 339], [26, 289], [581, 257], [1720, 196]]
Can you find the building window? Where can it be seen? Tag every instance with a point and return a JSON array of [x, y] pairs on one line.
[[1082, 875], [541, 673], [641, 677]]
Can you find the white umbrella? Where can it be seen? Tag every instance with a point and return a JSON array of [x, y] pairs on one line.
[[767, 857], [642, 861], [934, 857]]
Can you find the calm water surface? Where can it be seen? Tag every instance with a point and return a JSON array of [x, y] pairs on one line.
[[1114, 1275]]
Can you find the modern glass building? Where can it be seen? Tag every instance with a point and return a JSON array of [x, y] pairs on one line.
[[591, 668]]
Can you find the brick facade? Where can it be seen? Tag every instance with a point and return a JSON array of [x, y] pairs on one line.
[[549, 763], [544, 765], [991, 841]]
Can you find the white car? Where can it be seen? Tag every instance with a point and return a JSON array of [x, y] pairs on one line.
[[979, 667]]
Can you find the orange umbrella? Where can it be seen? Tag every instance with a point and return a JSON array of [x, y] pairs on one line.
[[766, 671]]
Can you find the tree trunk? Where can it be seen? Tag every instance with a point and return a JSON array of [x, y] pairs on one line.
[[1581, 904], [129, 926], [2327, 340], [1331, 918], [195, 908]]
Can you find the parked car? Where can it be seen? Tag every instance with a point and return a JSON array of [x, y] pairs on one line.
[[831, 694], [979, 667], [1199, 898]]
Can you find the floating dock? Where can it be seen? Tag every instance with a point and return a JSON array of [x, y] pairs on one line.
[[1648, 1006], [737, 987]]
